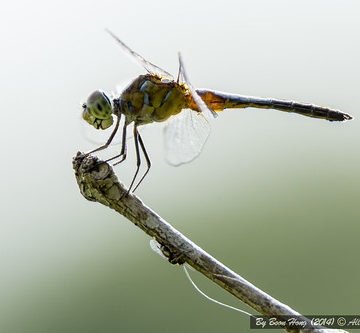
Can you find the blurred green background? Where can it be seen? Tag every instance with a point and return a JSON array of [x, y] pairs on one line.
[[274, 196]]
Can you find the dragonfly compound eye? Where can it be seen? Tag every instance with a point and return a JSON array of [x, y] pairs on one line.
[[97, 110]]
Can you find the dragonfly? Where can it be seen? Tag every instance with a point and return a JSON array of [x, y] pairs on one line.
[[186, 111]]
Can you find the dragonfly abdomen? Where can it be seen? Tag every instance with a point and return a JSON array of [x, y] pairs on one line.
[[309, 110], [219, 101]]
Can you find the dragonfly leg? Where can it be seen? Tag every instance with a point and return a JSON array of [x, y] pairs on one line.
[[138, 159], [123, 148], [109, 140], [148, 162]]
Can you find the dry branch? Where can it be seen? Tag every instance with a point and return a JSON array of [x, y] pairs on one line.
[[97, 182]]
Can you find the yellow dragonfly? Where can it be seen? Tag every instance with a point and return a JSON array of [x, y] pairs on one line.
[[158, 97]]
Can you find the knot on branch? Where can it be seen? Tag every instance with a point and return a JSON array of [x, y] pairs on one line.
[[96, 179]]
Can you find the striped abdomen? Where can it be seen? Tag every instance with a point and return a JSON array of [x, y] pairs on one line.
[[219, 101]]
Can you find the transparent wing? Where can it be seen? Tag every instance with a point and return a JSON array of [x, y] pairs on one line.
[[185, 135], [151, 68], [197, 99]]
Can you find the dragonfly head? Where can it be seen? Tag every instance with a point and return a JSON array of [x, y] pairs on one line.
[[97, 110]]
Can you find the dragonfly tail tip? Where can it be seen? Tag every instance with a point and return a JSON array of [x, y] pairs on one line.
[[347, 117]]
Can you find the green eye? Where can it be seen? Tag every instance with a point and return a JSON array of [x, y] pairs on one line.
[[98, 110], [99, 105]]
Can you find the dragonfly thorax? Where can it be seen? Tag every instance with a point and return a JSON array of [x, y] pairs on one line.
[[149, 98], [97, 110]]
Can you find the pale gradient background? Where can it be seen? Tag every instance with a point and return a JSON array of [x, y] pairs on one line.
[[274, 196]]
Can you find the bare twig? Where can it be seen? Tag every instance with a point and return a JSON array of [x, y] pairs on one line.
[[97, 182]]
